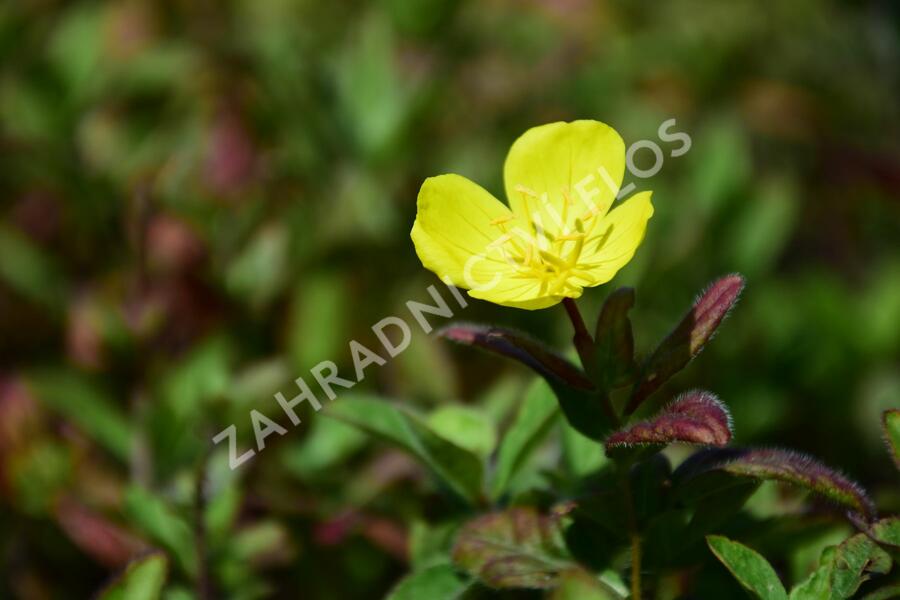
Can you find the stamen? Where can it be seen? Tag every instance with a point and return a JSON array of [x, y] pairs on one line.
[[576, 251], [570, 237], [590, 214], [553, 260], [565, 211], [525, 190]]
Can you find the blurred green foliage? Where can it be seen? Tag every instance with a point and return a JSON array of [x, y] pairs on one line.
[[201, 200]]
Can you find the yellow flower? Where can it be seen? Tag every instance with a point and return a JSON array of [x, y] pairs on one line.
[[556, 237]]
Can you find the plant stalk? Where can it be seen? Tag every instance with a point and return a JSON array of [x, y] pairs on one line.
[[635, 537], [204, 582], [582, 339], [584, 345]]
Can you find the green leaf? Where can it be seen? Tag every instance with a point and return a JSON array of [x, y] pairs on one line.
[[842, 569], [328, 442], [153, 516], [516, 548], [890, 421], [372, 96], [466, 427], [198, 377], [430, 544], [578, 584], [580, 402], [853, 560], [259, 272], [581, 455], [612, 363], [77, 399], [531, 425], [259, 539], [30, 271], [886, 531], [460, 469], [688, 338], [439, 582], [751, 570], [763, 225], [143, 579], [316, 327]]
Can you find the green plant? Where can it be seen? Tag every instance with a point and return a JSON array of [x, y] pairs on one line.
[[623, 524]]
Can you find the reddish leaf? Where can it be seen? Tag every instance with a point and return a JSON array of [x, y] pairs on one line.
[[517, 548], [101, 539], [519, 347], [696, 417], [782, 465], [688, 338]]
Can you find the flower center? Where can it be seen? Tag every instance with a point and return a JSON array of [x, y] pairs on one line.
[[548, 252]]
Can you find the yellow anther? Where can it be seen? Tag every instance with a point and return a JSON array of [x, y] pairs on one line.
[[569, 237], [525, 190], [590, 214], [502, 220]]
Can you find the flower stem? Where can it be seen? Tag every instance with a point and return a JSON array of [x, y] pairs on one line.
[[635, 537], [582, 339], [636, 567]]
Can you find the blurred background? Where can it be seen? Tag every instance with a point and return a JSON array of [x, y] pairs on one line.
[[201, 200]]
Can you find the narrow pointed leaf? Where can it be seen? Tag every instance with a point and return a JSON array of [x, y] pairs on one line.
[[751, 570], [460, 469], [688, 338], [143, 579], [613, 352], [519, 347], [579, 400], [516, 548], [81, 401], [153, 516], [781, 465], [98, 537], [890, 422], [696, 417]]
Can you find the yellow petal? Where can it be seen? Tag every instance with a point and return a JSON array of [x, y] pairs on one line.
[[526, 294], [614, 241], [563, 171], [458, 234], [454, 229]]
